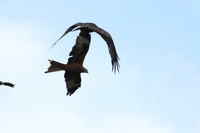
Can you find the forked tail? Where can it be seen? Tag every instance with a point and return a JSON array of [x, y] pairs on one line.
[[55, 66]]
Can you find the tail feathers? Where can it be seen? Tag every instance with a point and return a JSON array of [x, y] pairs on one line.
[[55, 66]]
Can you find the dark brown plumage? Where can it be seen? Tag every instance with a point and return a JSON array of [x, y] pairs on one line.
[[74, 66], [7, 84]]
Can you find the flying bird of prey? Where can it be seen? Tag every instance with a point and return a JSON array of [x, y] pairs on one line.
[[7, 84], [75, 63]]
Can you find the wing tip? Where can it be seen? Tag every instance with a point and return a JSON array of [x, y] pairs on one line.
[[115, 66]]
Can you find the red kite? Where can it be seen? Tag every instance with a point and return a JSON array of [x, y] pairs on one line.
[[7, 84], [75, 63]]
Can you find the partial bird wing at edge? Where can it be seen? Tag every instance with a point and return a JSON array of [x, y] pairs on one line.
[[7, 84]]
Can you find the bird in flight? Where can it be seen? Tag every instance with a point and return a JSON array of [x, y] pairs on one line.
[[74, 66], [7, 84]]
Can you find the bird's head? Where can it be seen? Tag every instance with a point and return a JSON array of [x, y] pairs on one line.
[[84, 70]]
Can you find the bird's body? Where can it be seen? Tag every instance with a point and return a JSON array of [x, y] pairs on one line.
[[74, 66]]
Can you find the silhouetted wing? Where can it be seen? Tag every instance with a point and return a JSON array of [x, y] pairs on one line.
[[73, 82], [67, 31], [111, 47], [80, 48], [7, 84]]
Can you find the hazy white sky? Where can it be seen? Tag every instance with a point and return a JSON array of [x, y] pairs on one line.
[[156, 91]]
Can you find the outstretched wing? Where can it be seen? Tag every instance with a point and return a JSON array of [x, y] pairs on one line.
[[7, 84], [105, 35], [71, 28], [111, 47]]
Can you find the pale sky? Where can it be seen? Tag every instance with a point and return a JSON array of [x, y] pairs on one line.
[[156, 91]]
